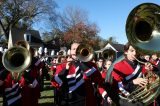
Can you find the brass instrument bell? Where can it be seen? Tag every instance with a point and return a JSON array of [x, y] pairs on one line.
[[143, 27], [17, 58], [84, 53]]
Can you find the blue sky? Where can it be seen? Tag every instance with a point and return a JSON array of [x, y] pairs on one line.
[[109, 15]]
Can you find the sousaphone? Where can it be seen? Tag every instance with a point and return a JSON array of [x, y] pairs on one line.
[[18, 57], [143, 32]]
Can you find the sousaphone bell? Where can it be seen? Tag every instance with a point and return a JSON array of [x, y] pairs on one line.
[[143, 27], [18, 57]]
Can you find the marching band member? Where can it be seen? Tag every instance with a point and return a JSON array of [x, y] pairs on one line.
[[41, 64], [107, 64], [10, 84], [54, 65], [156, 62], [75, 79], [100, 67], [3, 74], [31, 88], [100, 64], [12, 89], [127, 74], [56, 61], [147, 57]]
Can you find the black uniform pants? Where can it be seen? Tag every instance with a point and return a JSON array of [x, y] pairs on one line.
[[73, 103]]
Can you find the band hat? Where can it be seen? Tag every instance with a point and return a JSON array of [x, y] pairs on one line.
[[1, 49], [52, 53], [5, 50], [36, 53], [69, 52], [45, 50], [40, 50]]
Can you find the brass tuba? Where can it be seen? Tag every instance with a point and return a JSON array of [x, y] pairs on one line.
[[18, 57], [23, 43], [143, 32], [143, 27], [84, 53]]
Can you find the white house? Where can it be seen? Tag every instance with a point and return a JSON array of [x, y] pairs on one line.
[[117, 48]]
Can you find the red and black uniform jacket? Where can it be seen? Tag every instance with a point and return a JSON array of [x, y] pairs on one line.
[[53, 68], [38, 63], [12, 90], [30, 95], [77, 81], [103, 73], [3, 74], [156, 63], [123, 74]]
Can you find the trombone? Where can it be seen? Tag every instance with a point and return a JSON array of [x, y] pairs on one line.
[[84, 53]]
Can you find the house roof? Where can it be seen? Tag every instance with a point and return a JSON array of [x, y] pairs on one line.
[[115, 47], [18, 34], [51, 45], [118, 47], [36, 38]]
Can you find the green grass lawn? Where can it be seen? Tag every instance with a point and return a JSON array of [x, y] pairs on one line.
[[47, 95], [46, 98], [1, 101]]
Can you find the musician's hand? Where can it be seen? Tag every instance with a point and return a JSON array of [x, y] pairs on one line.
[[30, 86], [148, 66], [109, 100], [1, 82], [41, 72], [140, 81]]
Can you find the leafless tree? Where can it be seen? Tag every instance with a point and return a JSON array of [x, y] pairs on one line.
[[22, 13], [75, 25]]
